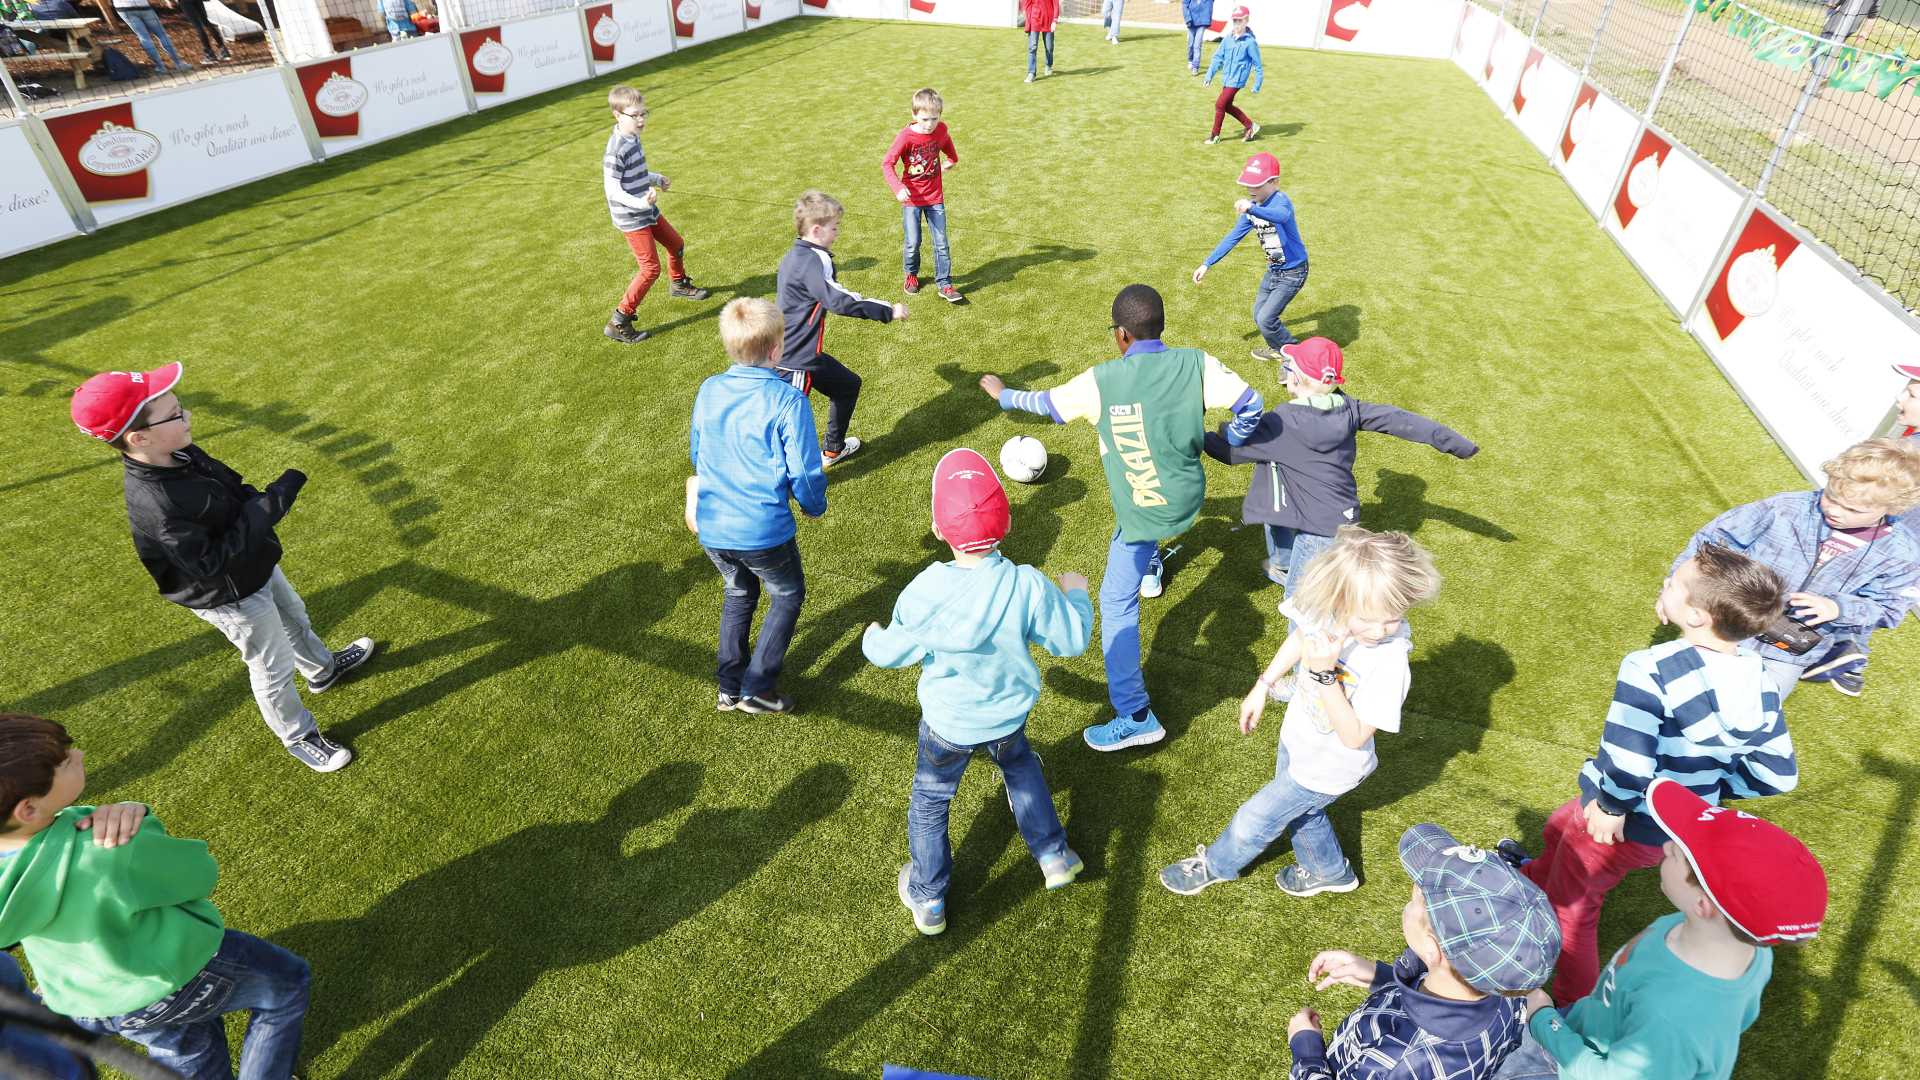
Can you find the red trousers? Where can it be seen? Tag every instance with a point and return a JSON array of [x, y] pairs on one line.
[[1223, 108], [1575, 871], [642, 243]]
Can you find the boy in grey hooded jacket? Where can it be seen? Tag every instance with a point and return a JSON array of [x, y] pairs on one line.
[[968, 623]]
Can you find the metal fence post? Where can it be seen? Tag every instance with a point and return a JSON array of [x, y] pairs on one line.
[[1598, 32], [1814, 78], [1673, 57], [1537, 19], [13, 92]]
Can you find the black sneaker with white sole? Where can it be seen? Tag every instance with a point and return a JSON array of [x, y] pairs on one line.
[[344, 661], [765, 703], [1511, 851], [321, 754], [726, 702]]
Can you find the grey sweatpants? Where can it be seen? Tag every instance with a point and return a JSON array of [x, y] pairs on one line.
[[271, 631]]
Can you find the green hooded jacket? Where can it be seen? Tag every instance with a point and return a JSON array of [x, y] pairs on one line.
[[110, 930]]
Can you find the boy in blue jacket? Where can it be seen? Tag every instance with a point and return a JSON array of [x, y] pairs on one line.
[[967, 623], [1236, 57], [1199, 16], [1267, 213]]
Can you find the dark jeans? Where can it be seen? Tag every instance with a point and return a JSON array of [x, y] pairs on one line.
[[27, 1046], [1277, 290], [196, 13], [747, 670], [935, 779], [1034, 38], [842, 389], [184, 1032]]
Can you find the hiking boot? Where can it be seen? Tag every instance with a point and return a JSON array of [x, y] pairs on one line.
[[321, 754], [765, 703], [1264, 353], [912, 287], [847, 450], [685, 289], [929, 917], [726, 702], [1295, 880], [950, 294], [343, 661], [1188, 876], [620, 328], [1121, 732], [1061, 869], [1511, 851], [1251, 132]]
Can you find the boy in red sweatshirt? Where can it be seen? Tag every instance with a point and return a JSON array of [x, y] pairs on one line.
[[917, 149]]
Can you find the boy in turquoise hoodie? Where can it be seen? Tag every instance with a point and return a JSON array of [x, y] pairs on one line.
[[119, 930], [967, 623]]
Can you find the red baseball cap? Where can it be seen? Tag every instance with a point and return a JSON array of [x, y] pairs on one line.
[[1317, 358], [1239, 13], [969, 505], [105, 404], [1260, 167], [1911, 371], [1768, 883]]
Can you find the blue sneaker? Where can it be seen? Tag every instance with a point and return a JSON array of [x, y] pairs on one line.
[[1296, 880], [1061, 869], [929, 917], [1842, 658], [1189, 876], [343, 661], [1123, 731], [1849, 683], [1150, 582]]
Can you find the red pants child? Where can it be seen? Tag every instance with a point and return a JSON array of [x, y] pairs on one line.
[[642, 242], [1223, 107], [1575, 871]]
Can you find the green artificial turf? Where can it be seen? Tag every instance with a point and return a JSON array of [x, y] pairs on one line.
[[553, 858]]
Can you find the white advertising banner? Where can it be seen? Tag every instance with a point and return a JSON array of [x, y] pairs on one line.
[[31, 213], [1425, 28], [1541, 97], [856, 9], [1806, 347], [1594, 146], [1670, 215], [770, 11], [136, 155], [1475, 40], [695, 21], [527, 56], [965, 12], [629, 32], [372, 94], [1292, 23], [1505, 57]]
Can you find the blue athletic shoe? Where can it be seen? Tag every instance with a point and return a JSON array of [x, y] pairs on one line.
[[1061, 869], [1843, 658], [1123, 731], [930, 916]]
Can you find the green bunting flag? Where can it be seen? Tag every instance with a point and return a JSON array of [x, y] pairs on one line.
[[1783, 46]]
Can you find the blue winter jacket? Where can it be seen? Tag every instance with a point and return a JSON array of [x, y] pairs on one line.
[[1198, 13], [1234, 58]]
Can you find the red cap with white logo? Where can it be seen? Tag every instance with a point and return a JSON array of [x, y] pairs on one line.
[[1766, 882], [1260, 169], [1239, 13], [1911, 371], [1318, 358], [105, 404], [969, 505]]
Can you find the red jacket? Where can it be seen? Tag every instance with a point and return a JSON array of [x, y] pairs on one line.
[[920, 156], [1041, 15]]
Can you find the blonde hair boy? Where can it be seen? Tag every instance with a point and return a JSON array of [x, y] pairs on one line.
[[928, 101], [1879, 473], [751, 329], [816, 208]]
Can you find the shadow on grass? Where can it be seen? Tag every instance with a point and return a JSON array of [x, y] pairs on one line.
[[1007, 267], [946, 417], [1402, 505], [448, 954], [1341, 324]]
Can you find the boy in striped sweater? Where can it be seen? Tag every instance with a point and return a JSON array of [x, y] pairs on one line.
[[1702, 711], [633, 196]]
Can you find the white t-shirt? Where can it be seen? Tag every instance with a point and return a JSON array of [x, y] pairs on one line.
[[1375, 679]]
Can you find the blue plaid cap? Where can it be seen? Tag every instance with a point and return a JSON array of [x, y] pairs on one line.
[[1495, 927]]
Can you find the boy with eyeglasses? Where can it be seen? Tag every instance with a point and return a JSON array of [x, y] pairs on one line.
[[633, 195], [207, 539]]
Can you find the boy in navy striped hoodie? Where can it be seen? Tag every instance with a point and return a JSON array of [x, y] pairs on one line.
[[1702, 711]]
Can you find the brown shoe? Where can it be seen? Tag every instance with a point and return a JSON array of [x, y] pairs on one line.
[[620, 328], [685, 289]]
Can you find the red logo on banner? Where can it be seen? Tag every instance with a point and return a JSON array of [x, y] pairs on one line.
[[1460, 39], [821, 4], [602, 32], [1748, 285], [924, 7], [1346, 17], [106, 154], [1499, 35], [753, 10], [333, 97], [1528, 72], [1643, 177], [1581, 120], [684, 14], [487, 60]]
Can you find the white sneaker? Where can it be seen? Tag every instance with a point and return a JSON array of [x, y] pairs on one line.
[[847, 450], [1150, 585], [1029, 76]]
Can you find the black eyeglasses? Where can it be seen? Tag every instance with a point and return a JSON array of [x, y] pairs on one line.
[[181, 415], [641, 115]]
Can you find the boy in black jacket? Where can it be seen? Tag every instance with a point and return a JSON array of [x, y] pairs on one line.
[[207, 539], [809, 287], [1306, 490]]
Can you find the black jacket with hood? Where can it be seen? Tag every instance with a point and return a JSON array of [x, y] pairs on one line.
[[205, 536], [1305, 479]]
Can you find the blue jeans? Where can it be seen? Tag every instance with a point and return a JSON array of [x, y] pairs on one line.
[[937, 225], [1291, 550], [1529, 1061], [27, 1046], [935, 779], [1034, 38], [184, 1032], [1120, 622], [1277, 290], [1110, 12], [146, 26], [1274, 809], [1195, 39], [744, 673]]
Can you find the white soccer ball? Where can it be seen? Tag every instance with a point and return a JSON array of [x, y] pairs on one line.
[[1023, 458]]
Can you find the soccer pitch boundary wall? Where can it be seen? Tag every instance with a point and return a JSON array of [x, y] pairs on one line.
[[1802, 337]]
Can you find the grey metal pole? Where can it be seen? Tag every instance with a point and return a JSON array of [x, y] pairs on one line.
[[1597, 32], [1537, 19], [1673, 57], [1503, 10], [1814, 78], [13, 92]]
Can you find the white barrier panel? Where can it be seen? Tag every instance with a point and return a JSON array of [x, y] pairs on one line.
[[137, 155], [1474, 42], [629, 32], [1670, 216], [1505, 58], [1594, 146], [964, 12], [31, 213], [1424, 28], [1540, 100], [855, 9], [770, 11], [695, 21], [1804, 344], [528, 56], [1294, 24], [373, 94]]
